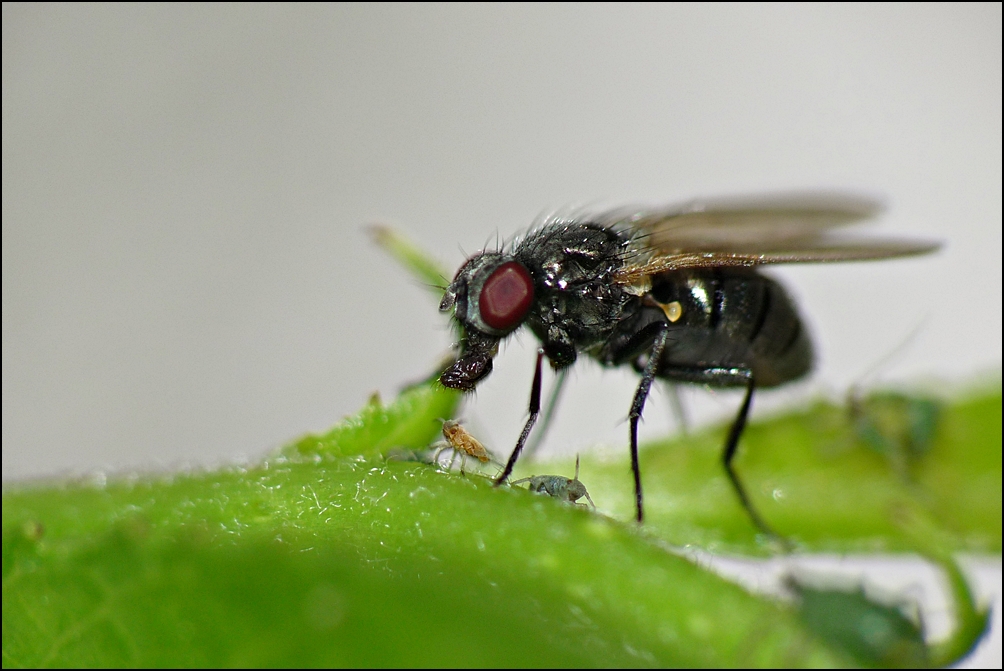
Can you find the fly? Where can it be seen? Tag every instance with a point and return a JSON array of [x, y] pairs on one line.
[[675, 292]]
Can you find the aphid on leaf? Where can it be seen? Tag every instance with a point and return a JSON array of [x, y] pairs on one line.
[[675, 293], [901, 427], [461, 442], [558, 486]]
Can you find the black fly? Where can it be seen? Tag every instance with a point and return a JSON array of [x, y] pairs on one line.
[[674, 292]]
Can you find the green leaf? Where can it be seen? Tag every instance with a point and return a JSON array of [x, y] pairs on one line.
[[821, 482], [875, 634], [353, 560], [333, 556], [419, 264], [409, 423]]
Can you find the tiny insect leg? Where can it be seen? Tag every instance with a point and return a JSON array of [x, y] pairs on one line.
[[534, 411], [730, 451], [440, 446], [637, 404]]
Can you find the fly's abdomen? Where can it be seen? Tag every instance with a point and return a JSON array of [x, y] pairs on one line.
[[780, 344], [731, 319]]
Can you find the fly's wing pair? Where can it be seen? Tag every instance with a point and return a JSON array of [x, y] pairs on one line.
[[794, 228]]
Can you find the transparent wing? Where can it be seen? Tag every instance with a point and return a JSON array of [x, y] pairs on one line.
[[865, 251], [786, 228]]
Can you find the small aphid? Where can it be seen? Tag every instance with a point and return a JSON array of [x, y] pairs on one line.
[[900, 427], [461, 442], [875, 629], [558, 486]]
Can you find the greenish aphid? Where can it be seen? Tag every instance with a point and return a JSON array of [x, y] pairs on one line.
[[901, 427], [876, 634], [558, 486]]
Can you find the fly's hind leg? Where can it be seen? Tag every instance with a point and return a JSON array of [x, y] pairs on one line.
[[728, 377], [730, 452]]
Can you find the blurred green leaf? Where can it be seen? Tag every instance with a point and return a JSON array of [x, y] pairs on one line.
[[875, 634], [819, 483], [413, 259]]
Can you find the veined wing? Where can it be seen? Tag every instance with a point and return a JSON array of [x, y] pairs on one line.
[[791, 228]]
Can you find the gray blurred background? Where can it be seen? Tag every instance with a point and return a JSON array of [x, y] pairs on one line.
[[186, 278]]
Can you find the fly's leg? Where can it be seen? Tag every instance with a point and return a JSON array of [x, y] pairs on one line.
[[636, 407], [730, 451], [545, 422], [727, 377], [534, 411]]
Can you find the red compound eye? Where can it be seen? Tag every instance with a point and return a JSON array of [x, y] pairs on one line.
[[506, 296]]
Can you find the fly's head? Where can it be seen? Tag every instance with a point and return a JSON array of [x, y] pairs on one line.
[[490, 296]]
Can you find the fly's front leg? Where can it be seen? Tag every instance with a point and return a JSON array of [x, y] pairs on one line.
[[552, 405], [534, 411], [637, 404]]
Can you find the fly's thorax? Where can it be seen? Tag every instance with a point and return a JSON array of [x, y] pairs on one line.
[[565, 255], [577, 303]]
